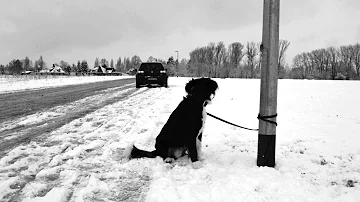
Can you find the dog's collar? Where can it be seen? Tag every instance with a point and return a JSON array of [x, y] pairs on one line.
[[195, 97], [203, 101]]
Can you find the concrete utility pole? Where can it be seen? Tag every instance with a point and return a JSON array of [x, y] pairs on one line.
[[177, 57], [269, 82], [177, 61]]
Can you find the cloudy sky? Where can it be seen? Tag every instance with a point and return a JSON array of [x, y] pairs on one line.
[[73, 30]]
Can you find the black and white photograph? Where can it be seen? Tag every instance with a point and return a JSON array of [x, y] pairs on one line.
[[179, 101]]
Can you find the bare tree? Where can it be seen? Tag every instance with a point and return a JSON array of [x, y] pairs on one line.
[[333, 61], [183, 67], [198, 61], [308, 64], [356, 52], [210, 57], [65, 66], [26, 63], [112, 63], [258, 61], [283, 46], [135, 62], [236, 53], [84, 67], [40, 64], [301, 66], [298, 70], [104, 62], [318, 57], [346, 59], [126, 64], [151, 59], [118, 65], [220, 51], [15, 67], [2, 69], [97, 62], [251, 53], [224, 63]]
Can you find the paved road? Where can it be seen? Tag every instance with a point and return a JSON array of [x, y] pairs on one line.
[[20, 104]]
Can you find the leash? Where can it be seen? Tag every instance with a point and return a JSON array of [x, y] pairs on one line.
[[263, 118]]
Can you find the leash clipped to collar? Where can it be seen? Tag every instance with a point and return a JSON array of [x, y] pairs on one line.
[[263, 118]]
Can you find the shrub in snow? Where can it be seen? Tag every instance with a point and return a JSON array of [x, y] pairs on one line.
[[340, 76]]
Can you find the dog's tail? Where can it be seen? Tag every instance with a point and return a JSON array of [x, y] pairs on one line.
[[132, 152]]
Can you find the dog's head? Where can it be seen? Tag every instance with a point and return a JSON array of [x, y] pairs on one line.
[[202, 88]]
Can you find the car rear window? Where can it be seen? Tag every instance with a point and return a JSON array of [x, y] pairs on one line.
[[146, 67]]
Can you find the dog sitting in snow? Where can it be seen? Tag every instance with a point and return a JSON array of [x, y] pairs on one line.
[[182, 133]]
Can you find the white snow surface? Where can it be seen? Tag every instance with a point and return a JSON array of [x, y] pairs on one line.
[[317, 149]]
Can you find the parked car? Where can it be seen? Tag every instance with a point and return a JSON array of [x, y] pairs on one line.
[[151, 73]]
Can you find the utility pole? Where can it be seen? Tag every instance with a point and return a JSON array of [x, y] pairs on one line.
[[177, 62], [177, 58], [269, 82]]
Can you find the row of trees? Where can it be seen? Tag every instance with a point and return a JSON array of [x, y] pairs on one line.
[[218, 60], [17, 66], [126, 64], [236, 60], [328, 63], [122, 64], [244, 61], [214, 60]]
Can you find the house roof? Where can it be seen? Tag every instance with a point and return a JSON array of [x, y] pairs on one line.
[[57, 69], [103, 69]]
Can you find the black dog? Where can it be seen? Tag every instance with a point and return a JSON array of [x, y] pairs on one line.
[[182, 133]]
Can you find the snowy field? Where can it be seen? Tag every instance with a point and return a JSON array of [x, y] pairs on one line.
[[9, 83], [317, 153]]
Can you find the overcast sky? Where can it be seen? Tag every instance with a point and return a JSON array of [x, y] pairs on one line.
[[73, 30]]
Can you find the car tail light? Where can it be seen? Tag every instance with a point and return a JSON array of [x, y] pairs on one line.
[[162, 71], [140, 71]]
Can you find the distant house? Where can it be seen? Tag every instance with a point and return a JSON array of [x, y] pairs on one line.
[[98, 69], [26, 72], [44, 71], [57, 69], [102, 70], [109, 70], [132, 71]]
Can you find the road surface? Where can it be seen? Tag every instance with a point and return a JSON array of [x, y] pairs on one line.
[[15, 105]]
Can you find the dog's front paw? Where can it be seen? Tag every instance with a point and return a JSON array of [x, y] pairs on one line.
[[169, 160], [201, 158], [197, 165]]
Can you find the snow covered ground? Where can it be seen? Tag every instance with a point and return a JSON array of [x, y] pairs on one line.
[[317, 154]]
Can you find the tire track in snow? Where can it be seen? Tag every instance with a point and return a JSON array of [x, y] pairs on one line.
[[24, 133], [41, 162], [131, 184]]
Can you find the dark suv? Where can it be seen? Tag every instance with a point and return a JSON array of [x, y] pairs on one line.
[[151, 73]]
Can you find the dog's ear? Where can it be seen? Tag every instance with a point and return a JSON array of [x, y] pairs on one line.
[[190, 85], [209, 88]]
